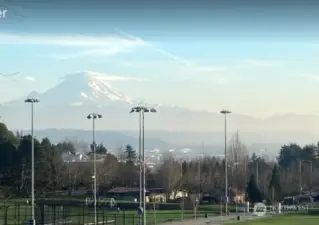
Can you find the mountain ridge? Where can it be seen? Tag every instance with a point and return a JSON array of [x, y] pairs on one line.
[[67, 104]]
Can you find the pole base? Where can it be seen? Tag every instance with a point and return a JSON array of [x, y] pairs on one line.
[[30, 222]]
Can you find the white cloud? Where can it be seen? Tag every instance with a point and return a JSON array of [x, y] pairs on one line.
[[310, 76], [106, 77], [88, 45], [29, 78], [257, 63], [120, 78], [185, 62], [71, 40], [9, 75], [211, 69], [93, 52]]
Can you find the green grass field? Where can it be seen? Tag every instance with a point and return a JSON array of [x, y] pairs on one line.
[[16, 213], [290, 219], [131, 218]]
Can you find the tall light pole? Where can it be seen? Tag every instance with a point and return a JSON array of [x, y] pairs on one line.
[[233, 166], [32, 101], [139, 111], [311, 170], [263, 156], [257, 171], [142, 110], [94, 116], [225, 112]]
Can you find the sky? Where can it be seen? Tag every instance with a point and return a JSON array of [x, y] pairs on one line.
[[253, 57]]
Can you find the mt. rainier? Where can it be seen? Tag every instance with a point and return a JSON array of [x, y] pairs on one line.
[[68, 103], [86, 88]]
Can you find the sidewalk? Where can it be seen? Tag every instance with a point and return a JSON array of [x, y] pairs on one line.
[[216, 220]]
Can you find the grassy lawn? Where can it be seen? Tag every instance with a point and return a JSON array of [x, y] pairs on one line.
[[15, 214], [131, 218], [290, 219]]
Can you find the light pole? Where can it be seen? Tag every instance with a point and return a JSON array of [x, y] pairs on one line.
[[32, 101], [232, 166], [94, 116], [259, 159], [257, 171], [225, 112], [311, 169], [256, 164], [141, 110]]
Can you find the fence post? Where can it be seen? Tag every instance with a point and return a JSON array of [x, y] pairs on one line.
[[133, 218], [18, 213], [40, 208], [97, 215], [83, 217], [5, 211], [124, 217], [54, 214]]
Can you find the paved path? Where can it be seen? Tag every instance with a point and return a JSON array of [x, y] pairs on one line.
[[216, 220]]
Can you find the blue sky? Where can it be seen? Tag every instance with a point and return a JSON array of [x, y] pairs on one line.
[[256, 59]]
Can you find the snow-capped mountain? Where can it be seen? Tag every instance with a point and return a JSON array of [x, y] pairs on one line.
[[85, 88], [67, 105], [89, 87]]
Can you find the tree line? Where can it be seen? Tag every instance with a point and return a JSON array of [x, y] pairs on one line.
[[295, 170]]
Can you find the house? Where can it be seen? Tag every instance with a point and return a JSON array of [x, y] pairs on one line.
[[152, 194], [240, 198], [237, 196], [210, 198], [234, 195], [160, 195], [124, 194]]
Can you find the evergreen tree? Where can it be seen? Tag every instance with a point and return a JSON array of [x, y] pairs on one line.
[[66, 147], [99, 149], [253, 191], [289, 155], [130, 154], [275, 183], [42, 165]]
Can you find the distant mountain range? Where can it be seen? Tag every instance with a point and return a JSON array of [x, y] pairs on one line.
[[115, 142], [66, 106]]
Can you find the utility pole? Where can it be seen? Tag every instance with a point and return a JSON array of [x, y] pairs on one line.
[[225, 112], [144, 165], [300, 182], [140, 160], [311, 170], [142, 110], [32, 101], [257, 171], [273, 195], [94, 116], [199, 171]]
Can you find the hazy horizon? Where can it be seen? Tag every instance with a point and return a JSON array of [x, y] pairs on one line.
[[256, 59]]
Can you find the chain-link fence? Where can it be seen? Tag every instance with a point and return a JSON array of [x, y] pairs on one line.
[[20, 214]]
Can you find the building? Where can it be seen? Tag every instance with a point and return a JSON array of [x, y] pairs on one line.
[[152, 194]]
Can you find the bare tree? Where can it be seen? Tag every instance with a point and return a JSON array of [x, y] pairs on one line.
[[211, 174], [237, 162], [237, 150], [120, 150], [107, 169], [169, 175]]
